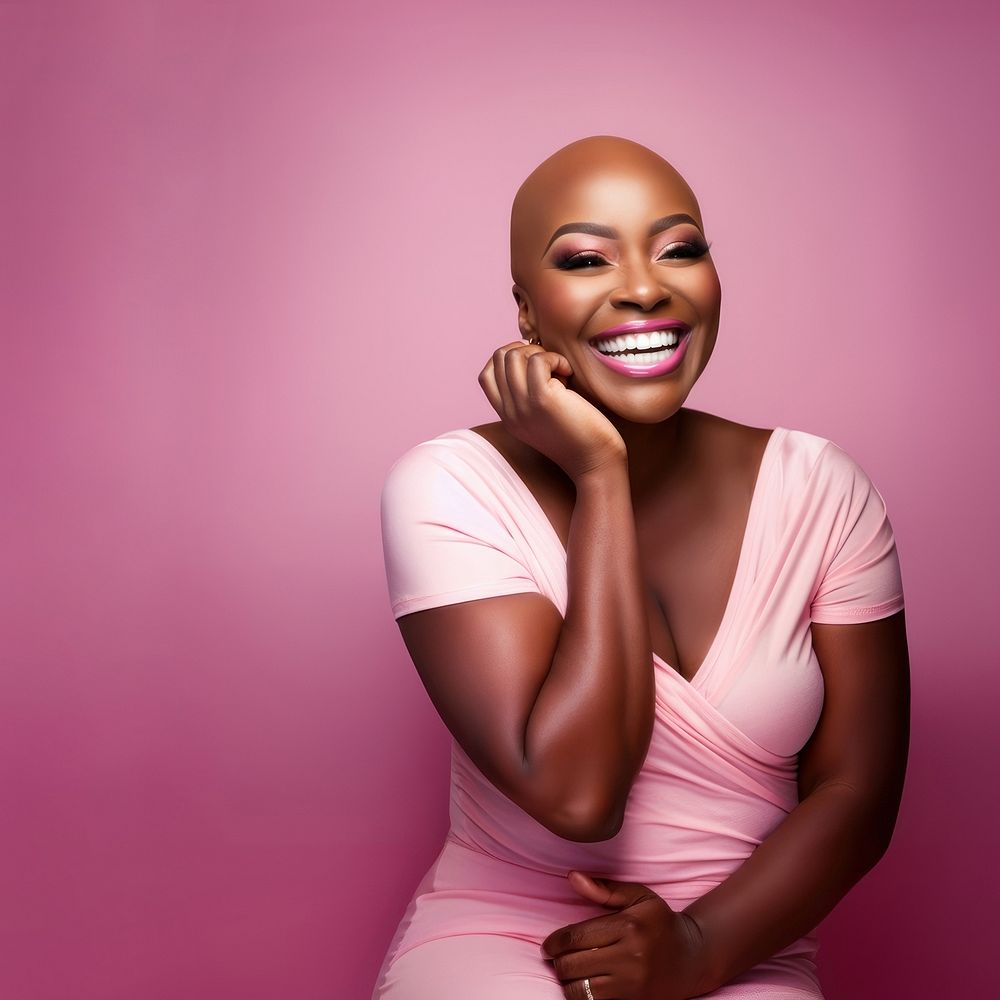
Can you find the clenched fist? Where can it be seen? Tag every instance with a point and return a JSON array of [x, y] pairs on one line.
[[526, 385]]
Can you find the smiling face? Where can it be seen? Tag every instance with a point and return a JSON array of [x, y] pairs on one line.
[[606, 236]]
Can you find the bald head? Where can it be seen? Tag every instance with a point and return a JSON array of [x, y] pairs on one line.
[[584, 166]]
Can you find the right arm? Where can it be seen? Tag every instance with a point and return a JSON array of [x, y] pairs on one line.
[[557, 713]]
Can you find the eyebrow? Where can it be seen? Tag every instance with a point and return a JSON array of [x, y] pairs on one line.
[[595, 229]]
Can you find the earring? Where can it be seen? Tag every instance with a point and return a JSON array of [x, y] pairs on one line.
[[535, 341]]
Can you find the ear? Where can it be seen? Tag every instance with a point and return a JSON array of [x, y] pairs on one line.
[[525, 313]]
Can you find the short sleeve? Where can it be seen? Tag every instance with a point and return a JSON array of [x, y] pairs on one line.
[[442, 541], [860, 577]]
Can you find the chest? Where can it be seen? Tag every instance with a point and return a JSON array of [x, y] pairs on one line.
[[690, 546]]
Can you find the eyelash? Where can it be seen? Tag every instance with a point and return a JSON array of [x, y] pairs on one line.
[[567, 263]]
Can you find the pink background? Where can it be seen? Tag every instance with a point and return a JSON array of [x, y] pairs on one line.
[[249, 253]]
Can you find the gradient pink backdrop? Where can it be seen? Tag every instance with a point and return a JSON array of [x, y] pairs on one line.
[[249, 253]]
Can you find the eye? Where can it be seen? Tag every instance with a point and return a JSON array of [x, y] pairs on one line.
[[577, 261], [682, 250]]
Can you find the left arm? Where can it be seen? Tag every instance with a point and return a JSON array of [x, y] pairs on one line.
[[850, 784]]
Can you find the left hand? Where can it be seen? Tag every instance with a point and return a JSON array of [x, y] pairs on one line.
[[643, 951]]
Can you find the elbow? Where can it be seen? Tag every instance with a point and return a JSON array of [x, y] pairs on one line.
[[872, 847], [884, 827], [587, 825], [870, 815], [583, 807]]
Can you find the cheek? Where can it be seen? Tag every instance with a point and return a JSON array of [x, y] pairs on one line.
[[566, 303], [710, 287], [701, 285]]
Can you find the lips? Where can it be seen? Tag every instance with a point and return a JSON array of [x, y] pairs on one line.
[[631, 352]]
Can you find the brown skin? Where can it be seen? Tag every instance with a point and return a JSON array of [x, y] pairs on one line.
[[651, 501]]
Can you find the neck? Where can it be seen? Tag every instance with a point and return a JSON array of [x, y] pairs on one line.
[[654, 450]]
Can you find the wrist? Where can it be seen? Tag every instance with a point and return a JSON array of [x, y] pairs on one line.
[[608, 473], [708, 966]]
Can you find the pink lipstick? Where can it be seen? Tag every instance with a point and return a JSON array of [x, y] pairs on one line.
[[643, 348]]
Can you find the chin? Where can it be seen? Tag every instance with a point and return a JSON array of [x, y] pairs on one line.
[[650, 404]]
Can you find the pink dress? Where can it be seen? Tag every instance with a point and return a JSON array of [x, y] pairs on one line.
[[459, 524]]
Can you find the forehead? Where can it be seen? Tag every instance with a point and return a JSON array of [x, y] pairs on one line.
[[623, 189], [619, 196]]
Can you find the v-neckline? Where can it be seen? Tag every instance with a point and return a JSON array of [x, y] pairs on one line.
[[741, 567]]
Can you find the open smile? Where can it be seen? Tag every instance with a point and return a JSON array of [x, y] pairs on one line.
[[642, 348]]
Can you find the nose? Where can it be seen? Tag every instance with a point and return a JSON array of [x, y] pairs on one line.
[[640, 287]]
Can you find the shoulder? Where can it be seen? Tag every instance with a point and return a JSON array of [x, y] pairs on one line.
[[827, 484], [450, 448], [802, 455], [449, 478], [426, 470], [827, 462], [812, 469]]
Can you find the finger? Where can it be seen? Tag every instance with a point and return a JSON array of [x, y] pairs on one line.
[[600, 989], [608, 891], [515, 370], [560, 363], [592, 962], [500, 374], [596, 932], [488, 383], [540, 369], [500, 377]]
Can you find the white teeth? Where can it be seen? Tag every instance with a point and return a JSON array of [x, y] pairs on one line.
[[642, 341], [649, 358]]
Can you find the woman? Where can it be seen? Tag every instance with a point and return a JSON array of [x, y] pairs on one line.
[[670, 647]]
